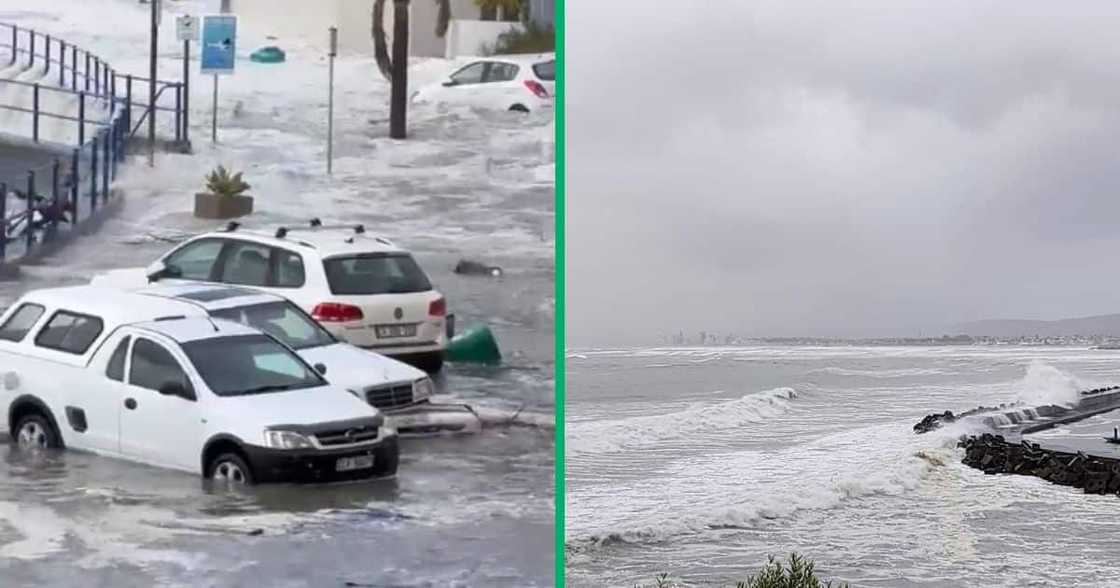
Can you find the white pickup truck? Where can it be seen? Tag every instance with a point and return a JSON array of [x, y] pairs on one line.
[[158, 381]]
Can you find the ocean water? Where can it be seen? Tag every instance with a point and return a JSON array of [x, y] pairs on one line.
[[701, 462]]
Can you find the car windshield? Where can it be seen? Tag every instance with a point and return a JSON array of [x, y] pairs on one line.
[[249, 364], [282, 320], [376, 273]]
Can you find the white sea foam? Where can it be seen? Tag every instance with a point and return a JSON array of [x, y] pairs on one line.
[[609, 436], [1044, 384]]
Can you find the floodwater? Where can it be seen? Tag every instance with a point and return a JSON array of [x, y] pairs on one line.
[[467, 511], [700, 462]]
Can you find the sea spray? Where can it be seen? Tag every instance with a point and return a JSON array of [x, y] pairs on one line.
[[612, 436], [1045, 385]]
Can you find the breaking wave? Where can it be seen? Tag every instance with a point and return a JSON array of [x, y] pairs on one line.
[[610, 436], [1044, 384], [743, 489]]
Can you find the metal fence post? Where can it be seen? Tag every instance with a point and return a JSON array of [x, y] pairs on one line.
[[105, 162], [52, 228], [3, 222], [93, 175], [178, 112], [81, 118], [62, 63], [97, 75], [15, 43], [30, 210], [75, 183], [31, 60], [87, 72], [73, 68], [128, 98], [47, 66], [35, 112]]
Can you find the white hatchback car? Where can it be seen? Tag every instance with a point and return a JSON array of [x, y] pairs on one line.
[[362, 288], [146, 379], [506, 82]]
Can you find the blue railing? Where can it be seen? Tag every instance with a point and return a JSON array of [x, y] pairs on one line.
[[72, 186]]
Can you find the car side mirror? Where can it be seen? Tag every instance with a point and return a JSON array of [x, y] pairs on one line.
[[321, 368], [450, 83], [176, 389], [156, 270]]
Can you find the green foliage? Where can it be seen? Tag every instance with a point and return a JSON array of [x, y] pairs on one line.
[[220, 182], [799, 574], [530, 39]]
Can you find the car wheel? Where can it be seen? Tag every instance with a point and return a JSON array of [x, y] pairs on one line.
[[34, 432], [386, 458], [230, 469], [519, 108]]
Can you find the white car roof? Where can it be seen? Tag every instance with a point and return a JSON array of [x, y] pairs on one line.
[[114, 307], [327, 242], [521, 58], [185, 330], [210, 296]]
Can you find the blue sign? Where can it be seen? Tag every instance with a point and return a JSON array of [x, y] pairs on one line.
[[219, 43]]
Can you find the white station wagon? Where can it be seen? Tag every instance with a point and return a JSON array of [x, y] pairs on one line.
[[146, 379], [363, 288]]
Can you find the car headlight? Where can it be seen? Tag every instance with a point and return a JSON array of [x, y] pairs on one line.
[[422, 388], [286, 440]]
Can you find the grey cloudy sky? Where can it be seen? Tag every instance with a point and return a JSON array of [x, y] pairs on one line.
[[839, 168]]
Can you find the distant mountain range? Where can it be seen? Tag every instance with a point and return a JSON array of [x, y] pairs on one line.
[[1105, 324]]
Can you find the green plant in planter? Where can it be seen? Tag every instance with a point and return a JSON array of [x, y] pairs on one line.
[[220, 182]]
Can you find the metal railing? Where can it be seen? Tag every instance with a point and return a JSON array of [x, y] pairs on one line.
[[73, 185]]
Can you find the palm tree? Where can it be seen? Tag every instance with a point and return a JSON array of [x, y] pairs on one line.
[[395, 68]]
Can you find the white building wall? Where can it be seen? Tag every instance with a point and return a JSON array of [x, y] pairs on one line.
[[308, 21]]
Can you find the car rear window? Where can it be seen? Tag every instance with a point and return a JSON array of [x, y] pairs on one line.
[[546, 71], [375, 273], [69, 332], [21, 321]]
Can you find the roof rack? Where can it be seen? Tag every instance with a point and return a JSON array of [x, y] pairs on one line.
[[317, 224]]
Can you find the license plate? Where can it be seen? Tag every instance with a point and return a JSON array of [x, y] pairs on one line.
[[395, 331], [359, 462]]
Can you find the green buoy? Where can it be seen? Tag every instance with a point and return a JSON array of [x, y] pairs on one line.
[[476, 345], [270, 54]]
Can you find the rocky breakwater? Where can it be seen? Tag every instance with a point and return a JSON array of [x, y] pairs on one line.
[[995, 455]]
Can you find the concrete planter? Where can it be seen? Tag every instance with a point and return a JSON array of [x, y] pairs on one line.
[[207, 205]]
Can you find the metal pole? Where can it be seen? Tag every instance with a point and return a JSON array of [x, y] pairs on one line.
[[152, 86], [15, 43], [31, 61], [330, 101], [30, 210], [75, 181], [47, 65], [81, 118], [178, 112], [35, 115], [105, 162], [93, 175], [74, 68], [3, 222], [214, 114], [62, 63], [187, 91], [87, 72]]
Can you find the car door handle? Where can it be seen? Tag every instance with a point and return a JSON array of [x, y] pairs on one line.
[[130, 403]]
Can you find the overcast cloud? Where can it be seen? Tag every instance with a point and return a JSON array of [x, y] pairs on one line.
[[832, 168]]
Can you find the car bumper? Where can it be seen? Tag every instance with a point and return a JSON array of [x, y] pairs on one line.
[[428, 418], [431, 335], [319, 465]]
